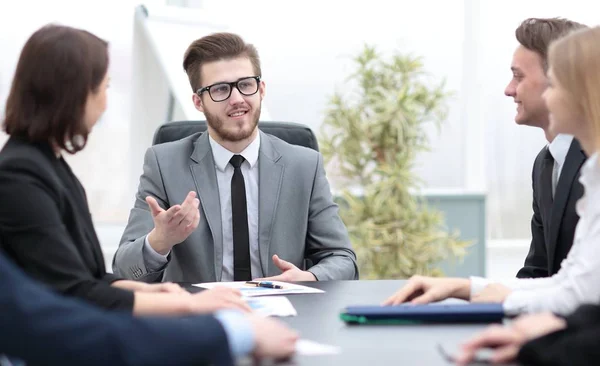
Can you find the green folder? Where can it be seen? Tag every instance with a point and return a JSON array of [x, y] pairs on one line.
[[356, 319]]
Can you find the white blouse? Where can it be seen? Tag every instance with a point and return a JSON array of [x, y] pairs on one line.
[[578, 280]]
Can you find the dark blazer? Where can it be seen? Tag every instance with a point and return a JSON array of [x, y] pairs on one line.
[[42, 328], [578, 344], [554, 221], [46, 226]]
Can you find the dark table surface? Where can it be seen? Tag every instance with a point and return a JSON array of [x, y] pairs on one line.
[[318, 320]]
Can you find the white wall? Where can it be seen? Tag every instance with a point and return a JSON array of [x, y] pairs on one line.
[[306, 48]]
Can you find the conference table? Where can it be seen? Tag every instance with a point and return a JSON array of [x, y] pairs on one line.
[[318, 320]]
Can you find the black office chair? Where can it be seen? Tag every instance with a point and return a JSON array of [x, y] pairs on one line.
[[293, 133]]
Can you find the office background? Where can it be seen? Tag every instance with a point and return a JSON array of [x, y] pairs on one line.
[[306, 47]]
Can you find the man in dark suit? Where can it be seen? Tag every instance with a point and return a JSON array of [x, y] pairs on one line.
[[555, 176], [42, 328]]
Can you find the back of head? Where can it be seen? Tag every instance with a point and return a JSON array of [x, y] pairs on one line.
[[536, 34], [216, 47], [575, 63], [58, 68]]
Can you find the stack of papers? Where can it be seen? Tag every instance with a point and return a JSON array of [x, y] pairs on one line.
[[272, 306], [252, 290], [266, 301]]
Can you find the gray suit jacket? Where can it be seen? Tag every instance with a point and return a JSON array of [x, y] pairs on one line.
[[298, 219]]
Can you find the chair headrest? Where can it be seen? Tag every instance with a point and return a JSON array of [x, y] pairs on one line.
[[293, 133]]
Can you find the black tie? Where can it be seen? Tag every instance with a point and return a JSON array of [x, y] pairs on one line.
[[239, 218], [546, 176]]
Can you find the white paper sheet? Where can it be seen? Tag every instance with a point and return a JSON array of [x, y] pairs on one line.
[[251, 290], [272, 306], [305, 347]]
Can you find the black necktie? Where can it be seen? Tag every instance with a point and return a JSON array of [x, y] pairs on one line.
[[239, 216], [546, 176]]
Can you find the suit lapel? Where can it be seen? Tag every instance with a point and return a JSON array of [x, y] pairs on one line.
[[573, 161], [205, 179], [270, 174]]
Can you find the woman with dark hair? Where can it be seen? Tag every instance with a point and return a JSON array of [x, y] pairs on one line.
[[57, 95]]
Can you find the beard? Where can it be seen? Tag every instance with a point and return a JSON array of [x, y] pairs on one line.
[[233, 131]]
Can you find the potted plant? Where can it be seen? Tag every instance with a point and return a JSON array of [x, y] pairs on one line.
[[370, 138]]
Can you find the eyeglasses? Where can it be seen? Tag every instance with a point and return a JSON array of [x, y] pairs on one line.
[[221, 91]]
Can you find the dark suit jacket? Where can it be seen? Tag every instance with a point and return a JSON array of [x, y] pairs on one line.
[[553, 223], [578, 344], [43, 328], [46, 226]]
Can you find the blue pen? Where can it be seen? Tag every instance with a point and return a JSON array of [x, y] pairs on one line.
[[264, 284]]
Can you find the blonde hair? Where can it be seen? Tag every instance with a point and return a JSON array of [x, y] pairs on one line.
[[575, 64]]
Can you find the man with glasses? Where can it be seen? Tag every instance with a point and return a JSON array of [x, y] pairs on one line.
[[233, 204]]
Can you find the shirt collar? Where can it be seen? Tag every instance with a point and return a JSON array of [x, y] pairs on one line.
[[590, 173], [222, 155], [559, 147]]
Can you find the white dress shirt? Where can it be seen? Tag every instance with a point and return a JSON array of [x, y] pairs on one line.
[[155, 261], [559, 148], [578, 280]]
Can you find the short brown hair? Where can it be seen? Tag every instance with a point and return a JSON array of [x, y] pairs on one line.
[[59, 66], [536, 34], [215, 47]]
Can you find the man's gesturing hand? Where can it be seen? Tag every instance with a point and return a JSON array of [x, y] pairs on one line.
[[174, 225]]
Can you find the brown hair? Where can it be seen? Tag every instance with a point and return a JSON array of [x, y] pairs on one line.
[[215, 47], [575, 63], [59, 66], [536, 34]]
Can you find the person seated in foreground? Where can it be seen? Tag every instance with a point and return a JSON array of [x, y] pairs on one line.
[[41, 327]]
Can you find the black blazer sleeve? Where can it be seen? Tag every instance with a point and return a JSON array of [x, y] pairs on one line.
[[34, 235], [579, 344], [536, 263], [43, 328]]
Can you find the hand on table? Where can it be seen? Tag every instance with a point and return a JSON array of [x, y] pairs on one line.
[[273, 339], [423, 290], [507, 340], [208, 301], [135, 286], [290, 273]]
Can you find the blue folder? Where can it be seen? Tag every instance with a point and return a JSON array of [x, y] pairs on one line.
[[430, 313]]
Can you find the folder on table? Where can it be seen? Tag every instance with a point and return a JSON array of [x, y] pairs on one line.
[[429, 313]]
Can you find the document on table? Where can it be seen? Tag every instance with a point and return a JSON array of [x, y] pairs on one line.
[[304, 347], [272, 306], [252, 290]]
